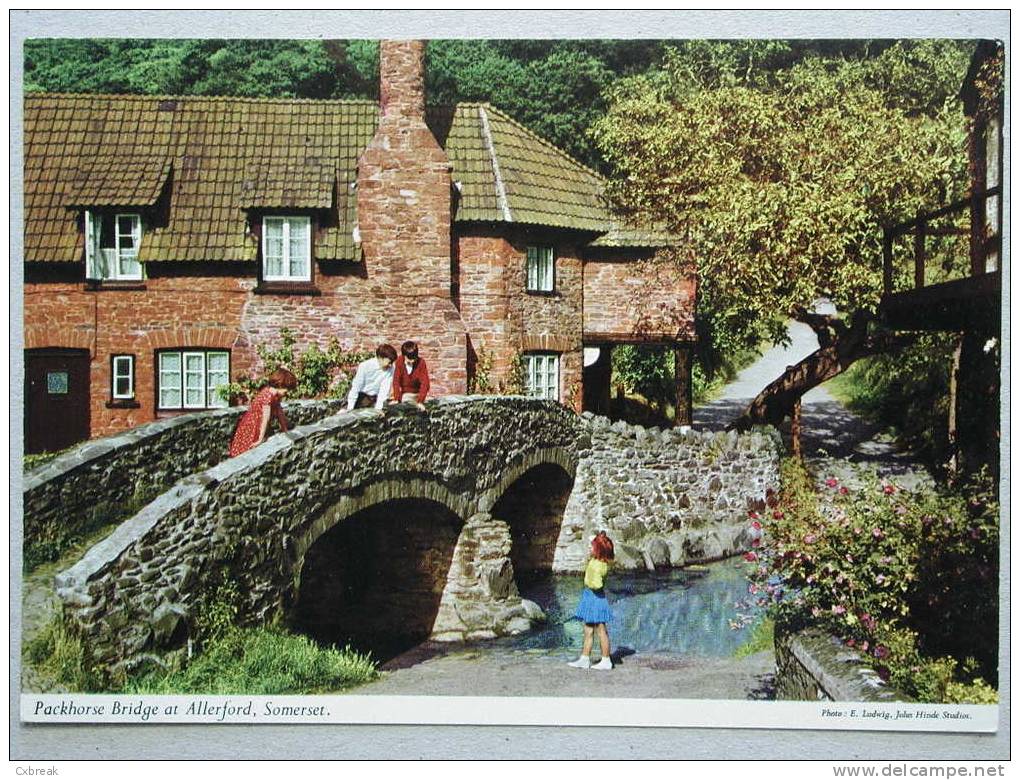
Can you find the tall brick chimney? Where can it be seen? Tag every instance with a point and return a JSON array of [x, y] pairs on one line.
[[405, 216]]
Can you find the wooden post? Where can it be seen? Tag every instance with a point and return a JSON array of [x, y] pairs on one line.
[[953, 466], [887, 261], [795, 429], [919, 255], [682, 376]]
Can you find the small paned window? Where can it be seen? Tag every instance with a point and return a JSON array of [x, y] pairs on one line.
[[287, 249], [542, 376], [123, 377], [190, 379], [111, 246], [541, 261]]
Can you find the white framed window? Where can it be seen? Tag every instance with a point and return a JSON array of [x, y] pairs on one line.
[[287, 249], [111, 246], [542, 376], [122, 377], [541, 269], [189, 378]]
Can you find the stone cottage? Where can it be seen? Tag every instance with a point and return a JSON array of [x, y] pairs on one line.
[[166, 237]]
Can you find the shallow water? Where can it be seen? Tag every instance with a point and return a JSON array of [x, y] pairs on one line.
[[683, 612]]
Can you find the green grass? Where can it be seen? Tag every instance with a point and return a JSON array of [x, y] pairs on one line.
[[29, 462], [255, 661], [262, 661], [762, 638], [60, 655], [67, 542]]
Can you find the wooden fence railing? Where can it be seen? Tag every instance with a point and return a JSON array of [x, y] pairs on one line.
[[982, 243]]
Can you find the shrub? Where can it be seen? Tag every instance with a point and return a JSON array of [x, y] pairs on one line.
[[320, 373], [908, 579]]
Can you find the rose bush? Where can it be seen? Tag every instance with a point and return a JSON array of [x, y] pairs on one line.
[[907, 578]]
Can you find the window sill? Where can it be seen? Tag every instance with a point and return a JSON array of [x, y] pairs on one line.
[[123, 403], [111, 285], [544, 293], [162, 413], [286, 288]]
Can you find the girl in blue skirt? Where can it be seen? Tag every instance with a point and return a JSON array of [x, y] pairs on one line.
[[593, 608]]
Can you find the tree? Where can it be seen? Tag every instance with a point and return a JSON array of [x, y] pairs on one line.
[[779, 165]]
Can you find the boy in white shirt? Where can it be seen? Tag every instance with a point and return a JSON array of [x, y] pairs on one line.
[[373, 380]]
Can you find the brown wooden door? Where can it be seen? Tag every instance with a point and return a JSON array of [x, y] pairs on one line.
[[56, 398]]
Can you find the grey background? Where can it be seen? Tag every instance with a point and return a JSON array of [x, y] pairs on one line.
[[52, 742]]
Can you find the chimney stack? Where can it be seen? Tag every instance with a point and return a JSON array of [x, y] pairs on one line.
[[405, 218], [402, 79]]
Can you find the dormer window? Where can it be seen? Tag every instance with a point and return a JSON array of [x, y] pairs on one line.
[[111, 246], [286, 249]]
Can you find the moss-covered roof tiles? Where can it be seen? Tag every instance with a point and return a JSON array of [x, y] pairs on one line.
[[214, 158]]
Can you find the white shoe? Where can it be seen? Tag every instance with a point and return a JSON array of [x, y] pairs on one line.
[[584, 662], [604, 665]]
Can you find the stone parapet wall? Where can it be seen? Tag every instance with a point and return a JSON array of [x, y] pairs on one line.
[[251, 519], [666, 498], [60, 495], [814, 666]]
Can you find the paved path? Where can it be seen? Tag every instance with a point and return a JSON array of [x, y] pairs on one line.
[[434, 671], [834, 439]]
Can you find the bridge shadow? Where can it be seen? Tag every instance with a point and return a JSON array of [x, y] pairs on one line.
[[374, 581], [532, 507]]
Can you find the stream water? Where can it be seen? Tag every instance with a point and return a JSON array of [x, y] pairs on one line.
[[687, 612]]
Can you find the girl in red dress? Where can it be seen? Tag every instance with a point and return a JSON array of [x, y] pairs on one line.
[[254, 423]]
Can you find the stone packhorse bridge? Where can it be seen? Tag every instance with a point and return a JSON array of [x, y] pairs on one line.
[[402, 525]]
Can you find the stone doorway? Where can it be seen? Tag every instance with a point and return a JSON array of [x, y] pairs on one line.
[[532, 507], [375, 580]]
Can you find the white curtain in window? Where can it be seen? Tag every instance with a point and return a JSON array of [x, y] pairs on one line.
[[170, 380], [217, 375]]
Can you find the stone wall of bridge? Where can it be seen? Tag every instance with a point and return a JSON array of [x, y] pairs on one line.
[[666, 497], [253, 519], [340, 508]]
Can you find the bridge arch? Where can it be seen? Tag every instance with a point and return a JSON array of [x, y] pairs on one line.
[[257, 519], [376, 578]]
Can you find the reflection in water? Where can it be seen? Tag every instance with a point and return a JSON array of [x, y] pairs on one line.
[[684, 612]]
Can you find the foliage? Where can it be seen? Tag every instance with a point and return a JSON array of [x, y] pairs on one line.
[[646, 370], [780, 164], [56, 540], [320, 373], [762, 638], [62, 655], [480, 378], [216, 612], [261, 661], [35, 460], [909, 579], [248, 68], [907, 392]]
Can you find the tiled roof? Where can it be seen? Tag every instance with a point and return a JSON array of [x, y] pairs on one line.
[[624, 235], [216, 157]]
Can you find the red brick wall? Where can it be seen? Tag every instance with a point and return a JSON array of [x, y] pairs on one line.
[[504, 320], [223, 312], [170, 312], [641, 298]]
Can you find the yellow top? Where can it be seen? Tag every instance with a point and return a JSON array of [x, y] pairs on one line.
[[595, 574]]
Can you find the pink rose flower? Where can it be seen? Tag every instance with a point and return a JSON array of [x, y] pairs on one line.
[[751, 556], [831, 482], [844, 490]]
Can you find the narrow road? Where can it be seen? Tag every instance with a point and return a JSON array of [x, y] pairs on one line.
[[834, 439]]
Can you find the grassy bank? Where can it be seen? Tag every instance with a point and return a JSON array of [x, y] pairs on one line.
[[255, 661]]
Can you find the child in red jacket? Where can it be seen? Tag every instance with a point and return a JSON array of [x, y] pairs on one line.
[[410, 376]]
